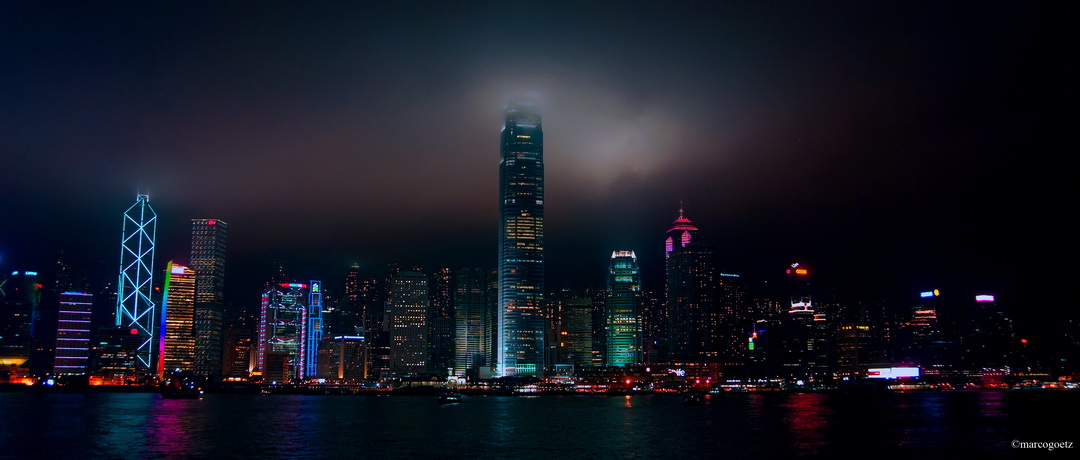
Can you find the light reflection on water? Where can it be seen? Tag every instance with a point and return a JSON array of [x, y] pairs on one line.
[[729, 426]]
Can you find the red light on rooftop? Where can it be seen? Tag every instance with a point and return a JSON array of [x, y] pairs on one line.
[[134, 332], [212, 222], [1023, 341]]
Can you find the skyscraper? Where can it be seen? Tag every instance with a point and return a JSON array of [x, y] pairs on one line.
[[623, 316], [440, 320], [314, 329], [73, 333], [178, 320], [282, 325], [521, 243], [208, 238], [134, 309], [472, 323], [691, 293], [407, 306]]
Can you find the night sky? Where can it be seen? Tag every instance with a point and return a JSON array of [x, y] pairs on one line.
[[891, 146]]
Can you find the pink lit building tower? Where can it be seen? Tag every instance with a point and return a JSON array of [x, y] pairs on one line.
[[691, 294]]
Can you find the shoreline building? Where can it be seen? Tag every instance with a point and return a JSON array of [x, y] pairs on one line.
[[208, 238], [73, 334], [624, 340], [691, 294], [521, 349], [135, 310], [178, 320], [407, 307], [282, 326]]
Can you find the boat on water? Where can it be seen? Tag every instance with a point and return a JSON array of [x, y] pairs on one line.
[[178, 389], [693, 399], [449, 397]]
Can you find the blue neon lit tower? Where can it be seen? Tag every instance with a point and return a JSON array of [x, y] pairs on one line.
[[134, 309], [314, 330], [521, 243]]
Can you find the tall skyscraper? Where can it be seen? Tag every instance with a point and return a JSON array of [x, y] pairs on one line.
[[208, 238], [441, 321], [314, 330], [623, 310], [134, 309], [178, 320], [407, 306], [73, 333], [521, 243], [691, 293]]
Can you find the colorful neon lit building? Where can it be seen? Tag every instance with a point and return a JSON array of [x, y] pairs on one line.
[[178, 320], [134, 308], [73, 334], [208, 238], [521, 244], [314, 331], [623, 310], [282, 332]]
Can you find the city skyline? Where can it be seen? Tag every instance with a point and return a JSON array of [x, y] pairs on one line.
[[852, 138]]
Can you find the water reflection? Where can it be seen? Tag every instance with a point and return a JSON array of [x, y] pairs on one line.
[[806, 419]]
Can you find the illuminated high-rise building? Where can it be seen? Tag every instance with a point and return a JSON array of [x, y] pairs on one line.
[[521, 244], [134, 308], [472, 322], [407, 307], [208, 238], [313, 332], [282, 332], [441, 321], [623, 310], [73, 333], [178, 320], [576, 336], [691, 294]]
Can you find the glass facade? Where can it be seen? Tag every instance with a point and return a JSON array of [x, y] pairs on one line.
[[73, 333], [623, 310], [521, 244], [208, 238], [178, 313], [282, 321], [134, 309]]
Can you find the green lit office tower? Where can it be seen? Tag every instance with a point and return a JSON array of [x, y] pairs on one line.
[[134, 309], [521, 321], [623, 313], [208, 237]]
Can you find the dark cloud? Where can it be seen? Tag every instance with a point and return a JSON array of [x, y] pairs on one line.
[[856, 135]]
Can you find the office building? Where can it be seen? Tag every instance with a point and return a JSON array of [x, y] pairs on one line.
[[691, 294], [73, 334], [521, 348], [208, 239], [135, 310], [178, 320], [282, 338], [623, 310], [407, 307], [472, 322]]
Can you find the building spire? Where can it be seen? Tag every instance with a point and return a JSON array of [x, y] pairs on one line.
[[682, 215]]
